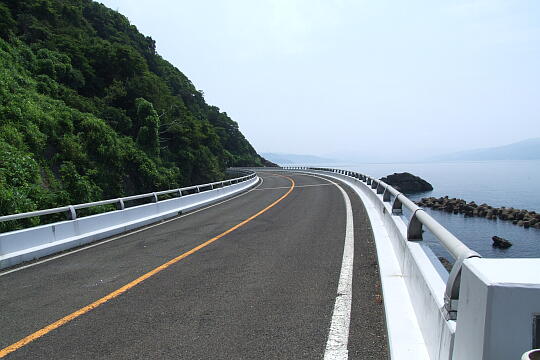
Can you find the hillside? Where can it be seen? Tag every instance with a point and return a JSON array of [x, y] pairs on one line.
[[89, 110], [523, 150]]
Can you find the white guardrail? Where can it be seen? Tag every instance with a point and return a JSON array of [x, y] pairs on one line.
[[31, 243], [482, 309]]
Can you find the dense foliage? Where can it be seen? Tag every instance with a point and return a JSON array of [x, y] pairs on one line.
[[89, 110]]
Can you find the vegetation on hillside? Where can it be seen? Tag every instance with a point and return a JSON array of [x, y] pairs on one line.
[[89, 110]]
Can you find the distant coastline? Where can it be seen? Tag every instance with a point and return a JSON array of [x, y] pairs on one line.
[[522, 150], [287, 159]]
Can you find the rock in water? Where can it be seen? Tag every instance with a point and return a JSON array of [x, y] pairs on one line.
[[407, 183], [500, 242], [447, 264]]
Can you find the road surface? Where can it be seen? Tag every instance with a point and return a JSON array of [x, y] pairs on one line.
[[254, 277]]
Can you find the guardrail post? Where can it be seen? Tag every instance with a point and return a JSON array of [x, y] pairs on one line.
[[380, 188], [121, 205], [451, 295], [387, 195], [179, 192], [154, 198], [397, 206], [198, 189], [368, 181], [72, 213], [374, 184], [414, 229]]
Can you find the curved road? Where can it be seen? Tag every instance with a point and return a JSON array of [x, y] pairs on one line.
[[254, 277]]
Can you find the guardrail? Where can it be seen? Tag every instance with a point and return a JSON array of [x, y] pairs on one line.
[[34, 242], [416, 222], [71, 210]]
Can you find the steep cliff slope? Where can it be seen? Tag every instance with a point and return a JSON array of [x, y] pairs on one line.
[[89, 110]]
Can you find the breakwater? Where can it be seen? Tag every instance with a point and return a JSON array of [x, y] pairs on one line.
[[520, 217]]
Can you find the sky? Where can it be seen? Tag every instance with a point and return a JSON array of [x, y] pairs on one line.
[[375, 80]]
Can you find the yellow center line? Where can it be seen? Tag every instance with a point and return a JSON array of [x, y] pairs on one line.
[[296, 187], [36, 335]]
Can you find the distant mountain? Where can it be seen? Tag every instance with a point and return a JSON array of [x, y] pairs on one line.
[[285, 159], [523, 150]]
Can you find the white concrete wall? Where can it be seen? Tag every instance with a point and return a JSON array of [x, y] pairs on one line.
[[28, 244], [497, 303]]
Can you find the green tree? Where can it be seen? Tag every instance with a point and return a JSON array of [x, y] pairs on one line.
[[81, 188], [148, 119], [7, 24]]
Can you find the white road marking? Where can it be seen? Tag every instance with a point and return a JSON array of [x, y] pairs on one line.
[[338, 337], [126, 234]]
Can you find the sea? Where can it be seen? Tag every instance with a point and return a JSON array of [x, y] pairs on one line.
[[513, 183]]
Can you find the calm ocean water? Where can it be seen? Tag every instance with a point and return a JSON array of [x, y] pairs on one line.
[[496, 183]]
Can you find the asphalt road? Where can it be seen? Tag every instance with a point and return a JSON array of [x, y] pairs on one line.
[[265, 290]]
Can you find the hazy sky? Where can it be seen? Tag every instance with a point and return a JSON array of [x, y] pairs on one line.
[[378, 79]]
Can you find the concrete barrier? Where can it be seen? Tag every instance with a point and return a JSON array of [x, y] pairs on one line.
[[32, 243], [424, 278]]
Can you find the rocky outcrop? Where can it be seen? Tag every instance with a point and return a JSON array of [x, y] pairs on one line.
[[500, 242], [518, 217], [407, 183]]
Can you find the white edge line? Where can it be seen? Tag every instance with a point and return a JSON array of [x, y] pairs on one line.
[[401, 321], [128, 233], [338, 337]]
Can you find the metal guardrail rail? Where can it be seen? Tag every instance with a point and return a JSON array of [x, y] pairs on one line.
[[71, 210], [416, 222]]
